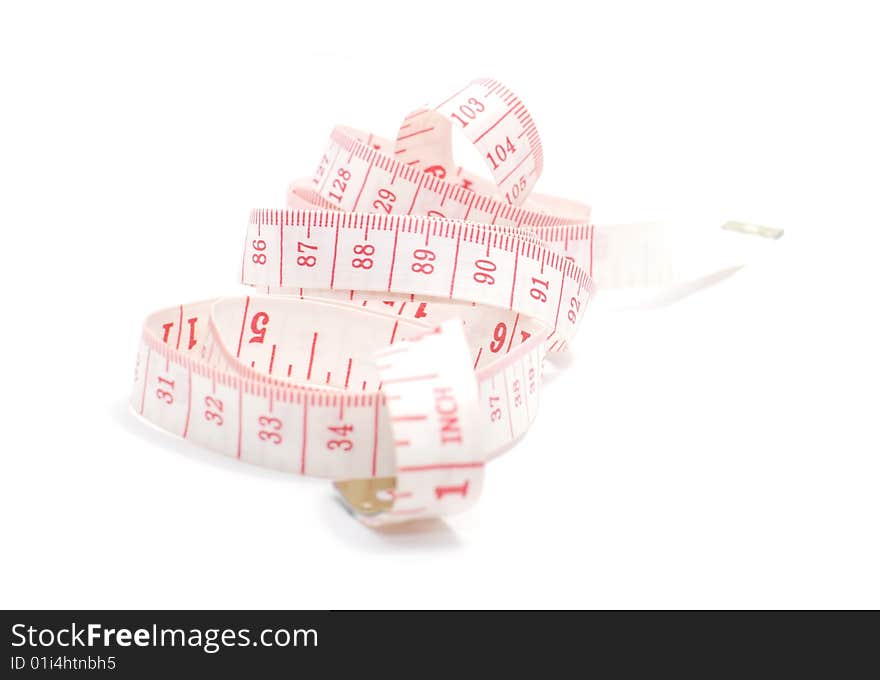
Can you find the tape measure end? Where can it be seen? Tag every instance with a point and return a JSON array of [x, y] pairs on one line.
[[367, 497], [753, 229]]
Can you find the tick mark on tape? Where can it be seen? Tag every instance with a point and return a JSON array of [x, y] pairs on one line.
[[247, 302], [312, 356], [305, 435], [413, 134]]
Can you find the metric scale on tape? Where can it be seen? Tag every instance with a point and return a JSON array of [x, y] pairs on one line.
[[405, 308]]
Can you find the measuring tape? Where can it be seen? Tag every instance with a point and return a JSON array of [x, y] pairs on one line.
[[408, 308]]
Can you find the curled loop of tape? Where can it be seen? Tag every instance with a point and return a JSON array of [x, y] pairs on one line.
[[402, 310]]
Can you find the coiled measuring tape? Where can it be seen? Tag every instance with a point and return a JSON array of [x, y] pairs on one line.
[[404, 312]]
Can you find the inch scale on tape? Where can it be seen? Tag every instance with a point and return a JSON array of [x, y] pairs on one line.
[[409, 306]]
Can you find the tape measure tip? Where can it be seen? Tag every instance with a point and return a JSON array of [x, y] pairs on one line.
[[365, 498], [752, 229]]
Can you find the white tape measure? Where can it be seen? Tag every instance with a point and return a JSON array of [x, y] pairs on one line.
[[409, 308]]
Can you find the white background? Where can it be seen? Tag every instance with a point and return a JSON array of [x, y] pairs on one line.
[[718, 452]]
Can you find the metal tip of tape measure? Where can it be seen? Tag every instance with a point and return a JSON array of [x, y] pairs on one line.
[[753, 229], [367, 496]]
